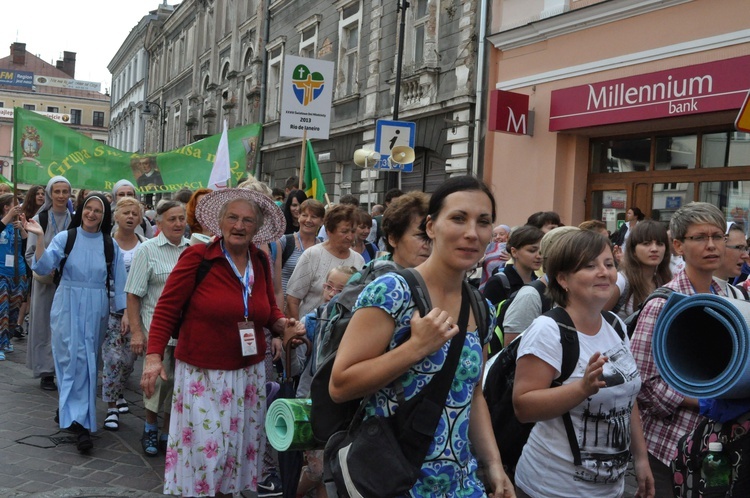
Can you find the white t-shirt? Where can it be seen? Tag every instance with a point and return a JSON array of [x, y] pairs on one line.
[[601, 422], [308, 277]]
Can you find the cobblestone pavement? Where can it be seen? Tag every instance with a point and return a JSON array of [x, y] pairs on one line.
[[38, 460]]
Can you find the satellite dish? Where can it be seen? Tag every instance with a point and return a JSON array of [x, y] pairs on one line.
[[401, 154], [365, 158]]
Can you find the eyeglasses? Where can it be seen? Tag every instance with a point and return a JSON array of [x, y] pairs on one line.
[[740, 247], [716, 238], [329, 288]]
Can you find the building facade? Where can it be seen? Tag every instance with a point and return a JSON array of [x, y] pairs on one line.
[[224, 59], [204, 67], [129, 68], [29, 82], [360, 37], [633, 104]]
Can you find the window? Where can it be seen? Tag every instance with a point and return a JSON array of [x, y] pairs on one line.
[[99, 119], [308, 41], [224, 72], [248, 58], [731, 197], [52, 109], [725, 149], [75, 116], [29, 107], [420, 24], [2, 104], [349, 25], [275, 61]]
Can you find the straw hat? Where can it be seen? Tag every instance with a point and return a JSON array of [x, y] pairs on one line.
[[274, 224]]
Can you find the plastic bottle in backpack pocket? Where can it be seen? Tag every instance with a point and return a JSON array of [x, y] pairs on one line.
[[716, 470]]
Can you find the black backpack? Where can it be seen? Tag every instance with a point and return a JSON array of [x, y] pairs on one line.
[[632, 320], [498, 337], [109, 256], [328, 417], [510, 433], [504, 288]]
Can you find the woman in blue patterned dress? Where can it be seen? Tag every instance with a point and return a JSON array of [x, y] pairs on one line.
[[459, 223]]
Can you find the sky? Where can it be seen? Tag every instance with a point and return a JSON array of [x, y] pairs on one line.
[[93, 29]]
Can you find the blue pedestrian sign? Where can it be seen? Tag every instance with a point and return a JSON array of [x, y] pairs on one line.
[[390, 134]]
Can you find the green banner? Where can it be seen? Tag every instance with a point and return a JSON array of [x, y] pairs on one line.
[[44, 148]]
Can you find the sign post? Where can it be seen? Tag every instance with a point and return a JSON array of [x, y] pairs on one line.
[[306, 98], [390, 134]]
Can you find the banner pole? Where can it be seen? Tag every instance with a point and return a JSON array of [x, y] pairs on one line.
[[302, 159], [16, 231]]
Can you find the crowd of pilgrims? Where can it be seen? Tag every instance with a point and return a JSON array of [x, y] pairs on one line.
[[211, 286]]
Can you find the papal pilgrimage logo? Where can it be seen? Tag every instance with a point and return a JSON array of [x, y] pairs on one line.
[[307, 86]]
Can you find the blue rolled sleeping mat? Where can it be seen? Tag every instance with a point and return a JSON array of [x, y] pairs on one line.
[[701, 346]]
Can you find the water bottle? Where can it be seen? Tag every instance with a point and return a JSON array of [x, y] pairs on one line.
[[716, 471]]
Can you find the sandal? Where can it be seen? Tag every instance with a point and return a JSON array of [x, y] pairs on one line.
[[112, 422], [122, 405]]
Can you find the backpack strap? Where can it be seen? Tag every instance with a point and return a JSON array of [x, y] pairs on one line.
[[109, 257], [69, 243], [611, 319], [289, 247], [570, 352], [43, 220], [418, 290], [541, 288], [481, 311], [200, 273]]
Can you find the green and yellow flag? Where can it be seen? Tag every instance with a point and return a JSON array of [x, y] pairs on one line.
[[316, 189], [44, 148]]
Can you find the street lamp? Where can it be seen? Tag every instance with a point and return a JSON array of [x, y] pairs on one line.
[[162, 119]]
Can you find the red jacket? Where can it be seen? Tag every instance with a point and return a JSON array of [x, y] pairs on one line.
[[209, 337]]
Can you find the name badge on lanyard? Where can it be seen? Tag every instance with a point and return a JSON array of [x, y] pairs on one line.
[[246, 329]]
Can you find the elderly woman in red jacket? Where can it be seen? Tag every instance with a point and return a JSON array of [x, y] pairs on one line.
[[218, 406]]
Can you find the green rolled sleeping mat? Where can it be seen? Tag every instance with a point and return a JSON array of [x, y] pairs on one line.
[[288, 424]]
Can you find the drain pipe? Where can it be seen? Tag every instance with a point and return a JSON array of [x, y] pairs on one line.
[[479, 93]]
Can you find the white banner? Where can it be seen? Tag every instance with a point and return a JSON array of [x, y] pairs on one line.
[[307, 93], [7, 112], [70, 84]]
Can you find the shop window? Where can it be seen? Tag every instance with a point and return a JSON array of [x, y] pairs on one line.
[[669, 197], [610, 206], [676, 152], [732, 197], [719, 150], [621, 156]]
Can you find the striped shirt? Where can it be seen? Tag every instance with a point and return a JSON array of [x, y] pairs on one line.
[[152, 264], [664, 420]]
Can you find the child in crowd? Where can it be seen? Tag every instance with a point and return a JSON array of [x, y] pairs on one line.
[[12, 270]]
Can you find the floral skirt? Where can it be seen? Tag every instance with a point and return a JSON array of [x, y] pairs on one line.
[[215, 430]]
